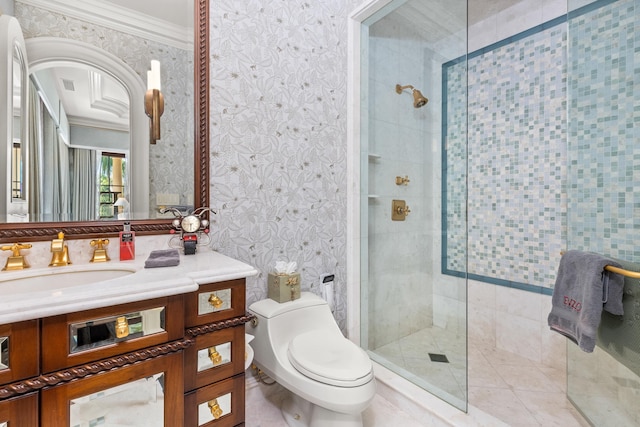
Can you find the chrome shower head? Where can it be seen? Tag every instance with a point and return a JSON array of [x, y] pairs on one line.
[[419, 100]]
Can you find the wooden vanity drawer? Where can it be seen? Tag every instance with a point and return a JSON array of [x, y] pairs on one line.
[[214, 302], [227, 360], [227, 395], [86, 336], [20, 411], [19, 351]]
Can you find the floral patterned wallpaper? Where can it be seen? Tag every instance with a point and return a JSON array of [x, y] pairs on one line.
[[171, 159], [279, 138]]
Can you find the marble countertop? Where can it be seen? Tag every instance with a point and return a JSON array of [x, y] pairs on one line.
[[20, 300]]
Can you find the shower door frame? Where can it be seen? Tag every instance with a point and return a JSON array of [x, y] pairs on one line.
[[354, 189]]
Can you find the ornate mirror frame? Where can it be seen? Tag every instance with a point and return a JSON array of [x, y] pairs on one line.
[[14, 232]]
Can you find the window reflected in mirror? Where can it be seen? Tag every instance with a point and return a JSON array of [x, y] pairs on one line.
[[17, 172], [214, 409], [109, 330], [139, 403], [4, 353], [114, 202]]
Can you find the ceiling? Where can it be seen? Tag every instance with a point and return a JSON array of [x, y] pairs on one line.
[[433, 20]]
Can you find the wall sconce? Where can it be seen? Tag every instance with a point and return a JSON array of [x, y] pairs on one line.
[[154, 101]]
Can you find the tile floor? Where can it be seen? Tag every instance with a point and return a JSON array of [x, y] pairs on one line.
[[263, 409], [516, 390]]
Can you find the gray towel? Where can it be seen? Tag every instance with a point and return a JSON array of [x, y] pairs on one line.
[[163, 258], [583, 288]]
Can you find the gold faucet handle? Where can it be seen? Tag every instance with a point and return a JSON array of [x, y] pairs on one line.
[[16, 247], [100, 243], [16, 261], [99, 253]]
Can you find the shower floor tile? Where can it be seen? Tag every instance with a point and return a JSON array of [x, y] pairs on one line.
[[514, 389]]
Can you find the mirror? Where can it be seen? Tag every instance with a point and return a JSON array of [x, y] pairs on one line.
[[141, 402], [90, 229]]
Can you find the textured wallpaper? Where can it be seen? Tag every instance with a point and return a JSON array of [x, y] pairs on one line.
[[278, 137], [171, 159]]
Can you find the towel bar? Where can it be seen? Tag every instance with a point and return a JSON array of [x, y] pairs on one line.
[[627, 273]]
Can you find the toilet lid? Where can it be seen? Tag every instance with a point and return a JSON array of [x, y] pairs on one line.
[[330, 358]]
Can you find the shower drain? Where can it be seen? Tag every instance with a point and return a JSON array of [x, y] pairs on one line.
[[435, 357]]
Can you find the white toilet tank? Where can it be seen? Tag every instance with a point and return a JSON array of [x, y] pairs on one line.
[[279, 323]]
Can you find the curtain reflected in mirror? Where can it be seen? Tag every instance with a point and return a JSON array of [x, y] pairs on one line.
[[139, 403]]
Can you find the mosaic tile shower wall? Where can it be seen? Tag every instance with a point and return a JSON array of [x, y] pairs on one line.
[[516, 160], [524, 147], [604, 154]]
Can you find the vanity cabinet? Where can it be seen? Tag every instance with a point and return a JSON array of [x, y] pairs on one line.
[[173, 361], [214, 366]]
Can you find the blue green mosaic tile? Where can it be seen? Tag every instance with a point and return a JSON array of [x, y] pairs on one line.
[[552, 160]]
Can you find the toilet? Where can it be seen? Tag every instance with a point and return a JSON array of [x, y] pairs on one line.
[[299, 345]]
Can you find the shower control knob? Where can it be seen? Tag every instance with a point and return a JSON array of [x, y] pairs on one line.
[[403, 210], [402, 181]]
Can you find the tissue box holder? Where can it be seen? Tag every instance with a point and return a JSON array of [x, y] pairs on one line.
[[283, 287]]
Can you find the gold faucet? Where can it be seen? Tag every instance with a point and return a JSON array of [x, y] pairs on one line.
[[16, 261], [60, 252], [100, 253]]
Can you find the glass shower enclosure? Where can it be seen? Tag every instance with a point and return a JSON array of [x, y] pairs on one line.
[[413, 133]]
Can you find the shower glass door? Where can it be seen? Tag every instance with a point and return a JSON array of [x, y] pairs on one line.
[[413, 169]]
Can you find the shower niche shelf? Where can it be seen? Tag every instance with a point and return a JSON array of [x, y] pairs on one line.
[[373, 196], [374, 156]]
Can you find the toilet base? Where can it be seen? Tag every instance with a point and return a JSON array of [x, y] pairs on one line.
[[298, 412]]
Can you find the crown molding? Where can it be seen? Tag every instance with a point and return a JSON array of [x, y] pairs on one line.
[[95, 123], [99, 101], [120, 19]]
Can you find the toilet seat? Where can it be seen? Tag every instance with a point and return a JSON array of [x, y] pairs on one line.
[[330, 358]]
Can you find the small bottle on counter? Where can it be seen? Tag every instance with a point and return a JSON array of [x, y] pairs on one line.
[[127, 243]]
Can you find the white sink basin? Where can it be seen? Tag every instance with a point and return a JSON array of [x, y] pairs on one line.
[[56, 278]]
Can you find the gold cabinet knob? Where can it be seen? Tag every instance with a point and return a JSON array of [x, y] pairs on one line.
[[215, 409], [122, 327], [215, 301], [215, 357]]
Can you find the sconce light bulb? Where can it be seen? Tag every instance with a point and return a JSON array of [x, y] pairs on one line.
[[155, 74]]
